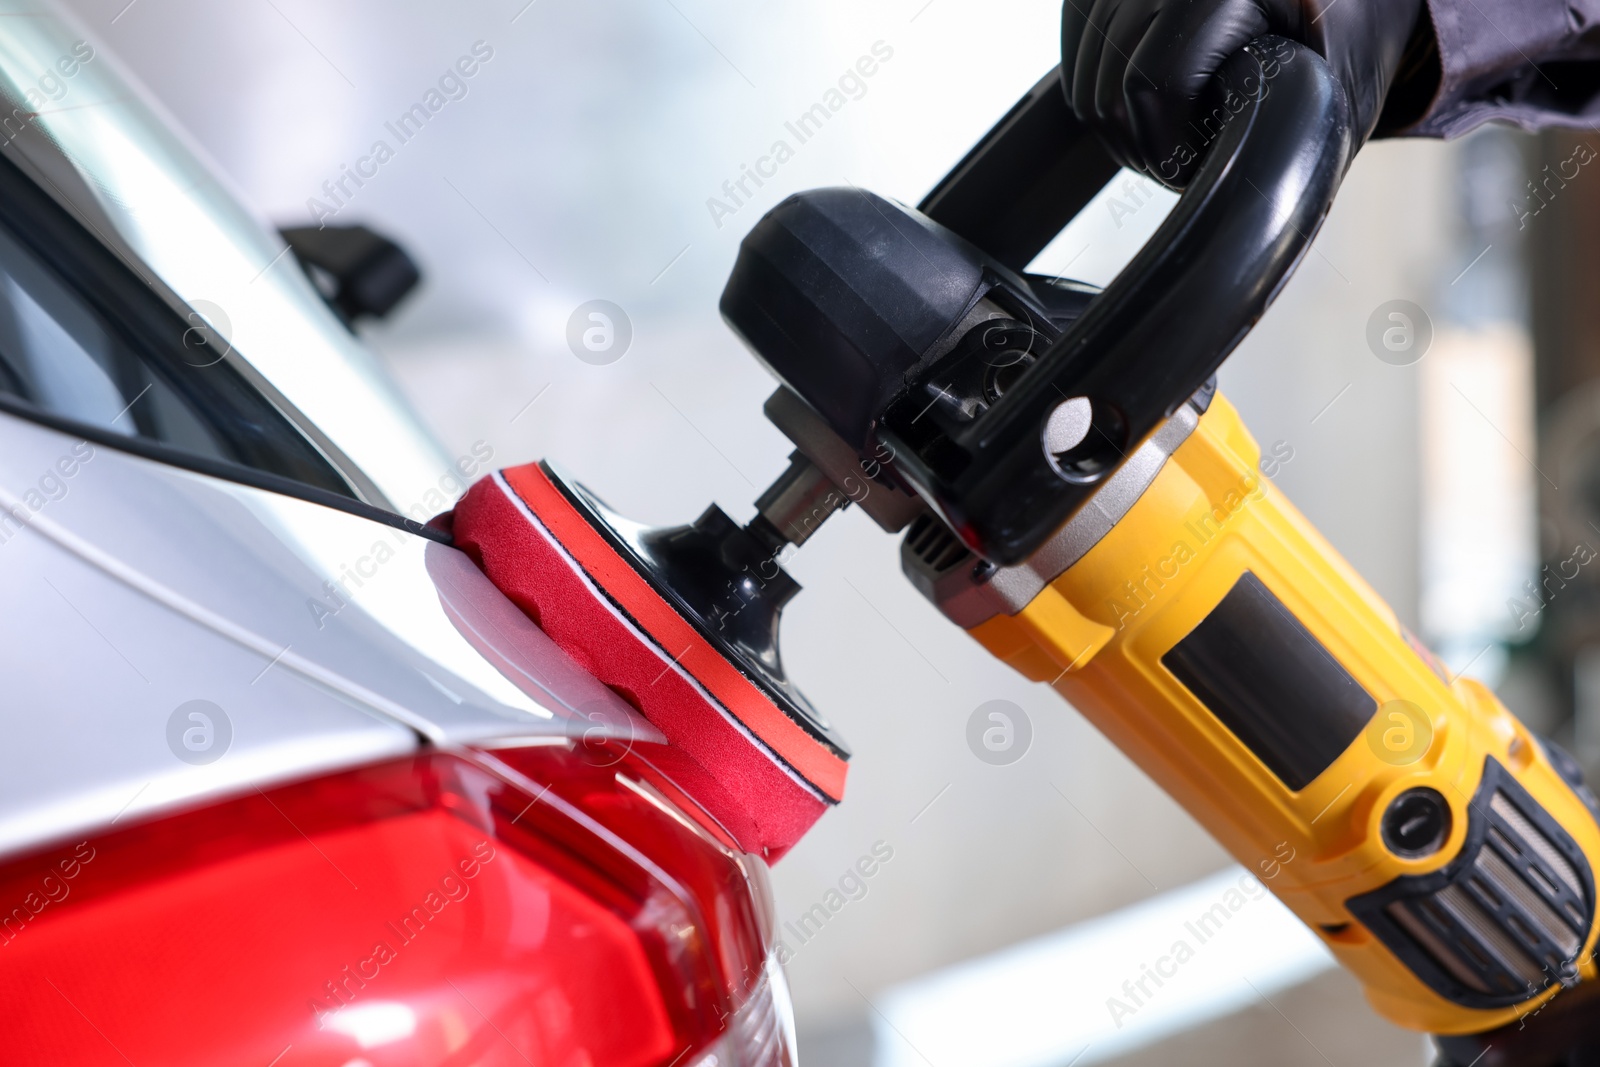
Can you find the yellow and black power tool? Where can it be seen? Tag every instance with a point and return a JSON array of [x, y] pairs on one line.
[[1077, 497], [1075, 494]]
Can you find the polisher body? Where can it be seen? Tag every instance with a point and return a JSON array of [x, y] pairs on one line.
[[1416, 826]]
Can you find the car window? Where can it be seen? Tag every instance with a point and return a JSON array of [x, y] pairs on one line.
[[86, 344], [109, 156]]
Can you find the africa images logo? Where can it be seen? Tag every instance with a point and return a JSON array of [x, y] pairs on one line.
[[451, 86], [851, 85]]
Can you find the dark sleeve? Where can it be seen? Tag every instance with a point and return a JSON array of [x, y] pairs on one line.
[[1532, 62]]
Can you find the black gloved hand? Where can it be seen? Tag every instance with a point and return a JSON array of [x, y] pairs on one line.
[[1137, 71]]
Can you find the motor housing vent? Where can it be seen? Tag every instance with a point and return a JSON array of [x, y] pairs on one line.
[[1504, 921], [933, 546]]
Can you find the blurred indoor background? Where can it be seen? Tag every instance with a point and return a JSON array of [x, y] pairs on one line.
[[586, 159]]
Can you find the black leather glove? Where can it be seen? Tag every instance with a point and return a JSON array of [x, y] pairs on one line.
[[1137, 71]]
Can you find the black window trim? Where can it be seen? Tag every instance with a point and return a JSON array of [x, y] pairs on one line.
[[145, 448]]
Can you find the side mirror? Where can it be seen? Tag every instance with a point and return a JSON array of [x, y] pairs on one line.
[[360, 273]]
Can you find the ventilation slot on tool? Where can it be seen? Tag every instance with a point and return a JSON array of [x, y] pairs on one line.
[[933, 545], [1506, 920]]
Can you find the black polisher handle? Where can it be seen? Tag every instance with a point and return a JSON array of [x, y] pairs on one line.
[[1274, 155]]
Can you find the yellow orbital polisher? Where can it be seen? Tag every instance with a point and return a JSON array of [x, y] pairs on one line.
[[1076, 496]]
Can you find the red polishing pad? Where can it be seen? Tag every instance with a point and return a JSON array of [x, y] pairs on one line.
[[769, 769]]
